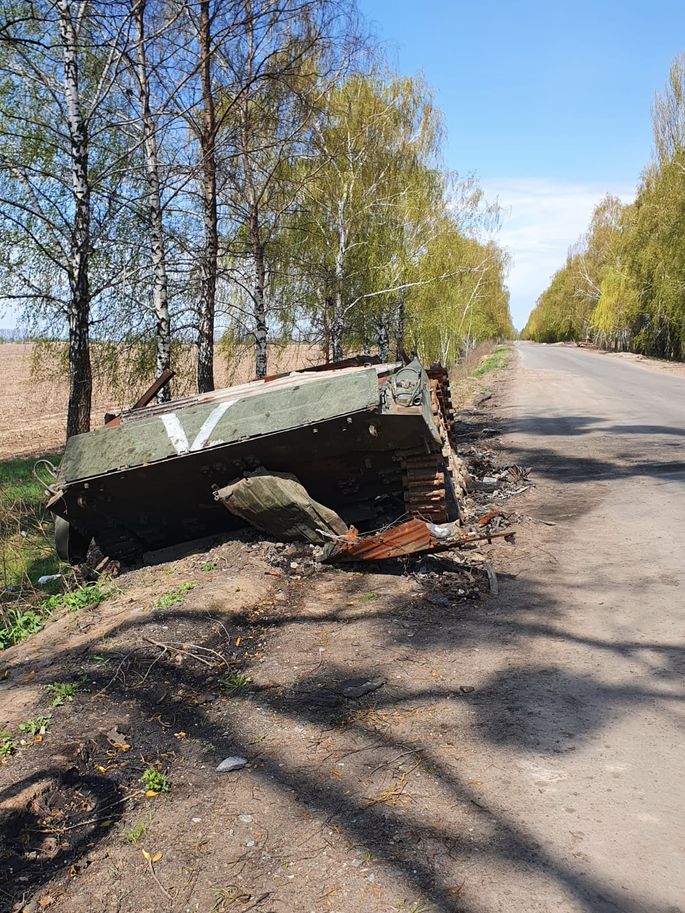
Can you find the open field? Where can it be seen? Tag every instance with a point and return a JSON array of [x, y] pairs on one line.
[[33, 405]]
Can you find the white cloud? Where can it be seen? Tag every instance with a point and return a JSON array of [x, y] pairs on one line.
[[542, 217]]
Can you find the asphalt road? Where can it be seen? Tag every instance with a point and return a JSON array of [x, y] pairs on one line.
[[586, 722]]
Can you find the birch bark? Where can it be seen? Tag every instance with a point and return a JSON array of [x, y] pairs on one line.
[[208, 277], [80, 372], [160, 295]]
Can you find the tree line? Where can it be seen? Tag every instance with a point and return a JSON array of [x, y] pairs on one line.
[[172, 167], [623, 284]]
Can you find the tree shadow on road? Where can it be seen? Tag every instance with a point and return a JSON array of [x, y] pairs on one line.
[[446, 829]]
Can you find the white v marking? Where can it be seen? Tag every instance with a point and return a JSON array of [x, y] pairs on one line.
[[177, 435]]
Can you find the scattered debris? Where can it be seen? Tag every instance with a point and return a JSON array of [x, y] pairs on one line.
[[117, 739], [410, 538], [492, 578], [487, 477], [48, 578]]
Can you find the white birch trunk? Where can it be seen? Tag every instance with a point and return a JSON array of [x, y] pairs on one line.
[[80, 373], [209, 265], [154, 204], [337, 317]]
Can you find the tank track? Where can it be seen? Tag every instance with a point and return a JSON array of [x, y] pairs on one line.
[[427, 478]]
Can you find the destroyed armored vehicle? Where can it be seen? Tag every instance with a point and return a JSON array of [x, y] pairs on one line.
[[369, 441]]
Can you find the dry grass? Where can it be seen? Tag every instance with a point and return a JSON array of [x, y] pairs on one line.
[[33, 405]]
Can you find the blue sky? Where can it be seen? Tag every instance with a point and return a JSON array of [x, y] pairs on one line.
[[548, 102]]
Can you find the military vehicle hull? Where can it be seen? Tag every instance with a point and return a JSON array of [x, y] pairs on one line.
[[370, 442]]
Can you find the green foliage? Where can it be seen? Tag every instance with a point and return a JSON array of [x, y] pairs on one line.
[[138, 832], [623, 286], [208, 566], [18, 624], [86, 596], [8, 744], [37, 726], [236, 681], [26, 529], [155, 781], [498, 359], [64, 692], [389, 255], [174, 597]]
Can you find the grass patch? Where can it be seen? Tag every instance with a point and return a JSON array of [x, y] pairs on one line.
[[64, 692], [137, 833], [174, 597], [37, 726], [493, 362], [17, 624], [26, 528], [91, 594], [8, 744], [236, 681]]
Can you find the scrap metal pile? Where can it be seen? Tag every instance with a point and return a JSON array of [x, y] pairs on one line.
[[357, 456]]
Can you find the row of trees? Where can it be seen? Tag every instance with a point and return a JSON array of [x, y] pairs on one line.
[[623, 284], [169, 167]]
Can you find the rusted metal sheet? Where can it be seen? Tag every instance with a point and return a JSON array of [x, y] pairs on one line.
[[410, 538]]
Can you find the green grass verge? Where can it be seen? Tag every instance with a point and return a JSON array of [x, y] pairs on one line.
[[26, 528], [495, 360]]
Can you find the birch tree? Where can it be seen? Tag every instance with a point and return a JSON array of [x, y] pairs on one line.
[[155, 220], [57, 198], [371, 163], [278, 67]]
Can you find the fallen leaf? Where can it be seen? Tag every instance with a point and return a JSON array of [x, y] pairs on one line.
[[156, 857], [181, 734], [146, 855], [101, 769], [117, 739], [150, 793]]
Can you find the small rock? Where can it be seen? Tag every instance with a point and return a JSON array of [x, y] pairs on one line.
[[246, 819], [358, 687], [466, 689], [233, 763]]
